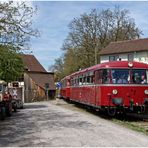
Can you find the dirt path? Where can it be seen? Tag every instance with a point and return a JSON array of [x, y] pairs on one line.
[[57, 123]]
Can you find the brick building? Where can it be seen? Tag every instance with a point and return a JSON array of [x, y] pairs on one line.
[[36, 79]]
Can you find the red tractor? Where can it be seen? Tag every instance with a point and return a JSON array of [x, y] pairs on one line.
[[5, 101]]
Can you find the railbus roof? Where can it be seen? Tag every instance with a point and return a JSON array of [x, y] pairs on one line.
[[112, 64]]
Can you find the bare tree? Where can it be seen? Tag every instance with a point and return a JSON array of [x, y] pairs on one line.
[[16, 24], [57, 68], [93, 31]]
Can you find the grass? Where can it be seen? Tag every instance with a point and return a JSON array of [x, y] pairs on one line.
[[139, 126]]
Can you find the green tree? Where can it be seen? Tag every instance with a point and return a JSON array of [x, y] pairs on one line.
[[11, 65]]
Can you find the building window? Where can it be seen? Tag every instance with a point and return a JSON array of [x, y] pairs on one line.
[[113, 58], [130, 57]]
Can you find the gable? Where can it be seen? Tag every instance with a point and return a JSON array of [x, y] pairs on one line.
[[31, 63], [126, 47]]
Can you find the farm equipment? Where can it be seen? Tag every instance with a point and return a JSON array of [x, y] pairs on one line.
[[16, 92], [5, 101]]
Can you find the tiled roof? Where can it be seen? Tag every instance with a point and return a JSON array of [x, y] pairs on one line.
[[42, 78], [31, 63], [37, 73], [125, 46]]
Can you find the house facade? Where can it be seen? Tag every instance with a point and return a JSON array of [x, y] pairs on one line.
[[131, 50], [35, 80]]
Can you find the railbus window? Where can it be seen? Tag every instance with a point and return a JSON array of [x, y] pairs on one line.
[[80, 80], [71, 82], [120, 76], [74, 81], [89, 78], [84, 80], [77, 80], [102, 76], [68, 82], [98, 77], [105, 76], [92, 79], [139, 76]]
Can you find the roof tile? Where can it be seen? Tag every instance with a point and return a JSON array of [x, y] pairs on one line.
[[31, 63], [126, 46]]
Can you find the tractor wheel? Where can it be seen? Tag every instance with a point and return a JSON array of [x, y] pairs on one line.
[[9, 110], [15, 109], [2, 113]]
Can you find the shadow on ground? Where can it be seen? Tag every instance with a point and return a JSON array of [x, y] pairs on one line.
[[27, 127], [28, 106], [104, 115]]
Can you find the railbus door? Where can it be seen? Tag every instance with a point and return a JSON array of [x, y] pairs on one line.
[[97, 81], [91, 89]]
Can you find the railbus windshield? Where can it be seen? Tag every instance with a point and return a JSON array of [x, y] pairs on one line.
[[132, 76], [120, 76], [123, 76], [139, 76]]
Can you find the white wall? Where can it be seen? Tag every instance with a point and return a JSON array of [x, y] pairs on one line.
[[141, 57], [138, 56], [105, 58]]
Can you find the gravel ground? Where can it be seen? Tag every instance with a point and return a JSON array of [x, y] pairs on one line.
[[56, 123]]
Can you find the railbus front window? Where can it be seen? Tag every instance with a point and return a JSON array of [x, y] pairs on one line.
[[120, 76], [139, 76]]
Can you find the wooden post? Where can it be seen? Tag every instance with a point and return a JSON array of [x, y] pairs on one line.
[[47, 88]]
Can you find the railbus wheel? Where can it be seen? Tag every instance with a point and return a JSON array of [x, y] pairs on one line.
[[143, 109], [111, 111]]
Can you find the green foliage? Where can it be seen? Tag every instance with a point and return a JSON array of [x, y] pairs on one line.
[[11, 65], [93, 31]]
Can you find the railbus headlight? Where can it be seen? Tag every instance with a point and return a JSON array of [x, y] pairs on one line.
[[146, 92], [130, 64], [114, 91]]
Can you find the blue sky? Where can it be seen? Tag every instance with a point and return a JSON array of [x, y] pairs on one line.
[[53, 17]]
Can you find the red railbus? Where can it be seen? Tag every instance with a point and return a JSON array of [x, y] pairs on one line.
[[112, 86], [65, 90]]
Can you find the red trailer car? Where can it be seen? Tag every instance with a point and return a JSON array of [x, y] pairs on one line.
[[113, 86], [65, 91]]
